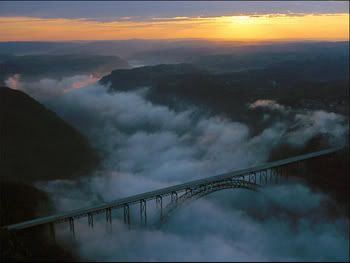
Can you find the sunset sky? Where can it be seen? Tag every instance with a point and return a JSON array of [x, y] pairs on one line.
[[240, 20]]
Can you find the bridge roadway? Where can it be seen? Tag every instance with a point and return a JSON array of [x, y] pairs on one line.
[[120, 203]]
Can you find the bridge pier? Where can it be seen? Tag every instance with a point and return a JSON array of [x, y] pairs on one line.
[[159, 204], [109, 228], [143, 212], [260, 178], [91, 220], [277, 174], [71, 226], [109, 215], [263, 177], [269, 176], [127, 215], [273, 179], [174, 197]]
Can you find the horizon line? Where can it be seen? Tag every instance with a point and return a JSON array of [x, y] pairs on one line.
[[181, 39]]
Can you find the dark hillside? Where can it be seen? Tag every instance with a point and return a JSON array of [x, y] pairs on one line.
[[128, 79], [32, 67], [36, 144], [20, 202]]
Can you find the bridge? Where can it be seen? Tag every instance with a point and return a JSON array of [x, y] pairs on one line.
[[250, 178]]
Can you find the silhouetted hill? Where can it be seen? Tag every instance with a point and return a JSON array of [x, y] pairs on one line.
[[126, 79], [318, 83], [32, 47], [57, 66], [262, 56], [229, 94], [20, 202], [36, 144]]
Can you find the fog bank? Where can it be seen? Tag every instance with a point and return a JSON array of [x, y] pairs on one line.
[[147, 146]]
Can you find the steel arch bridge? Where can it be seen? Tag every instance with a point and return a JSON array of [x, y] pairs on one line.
[[191, 195], [251, 178]]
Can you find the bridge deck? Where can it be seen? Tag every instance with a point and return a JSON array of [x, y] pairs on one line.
[[164, 191]]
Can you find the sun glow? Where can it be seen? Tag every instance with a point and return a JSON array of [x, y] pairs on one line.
[[241, 19], [242, 27]]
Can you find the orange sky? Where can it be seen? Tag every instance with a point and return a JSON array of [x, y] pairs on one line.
[[242, 27]]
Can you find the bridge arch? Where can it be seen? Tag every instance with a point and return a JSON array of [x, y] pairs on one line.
[[193, 194]]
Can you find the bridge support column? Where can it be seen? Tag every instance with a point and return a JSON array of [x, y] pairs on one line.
[[280, 173], [109, 219], [91, 220], [127, 215], [276, 175], [250, 178], [174, 197], [71, 226], [143, 212], [109, 215], [263, 176], [159, 204]]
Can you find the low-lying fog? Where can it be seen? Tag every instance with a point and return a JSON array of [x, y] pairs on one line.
[[146, 146]]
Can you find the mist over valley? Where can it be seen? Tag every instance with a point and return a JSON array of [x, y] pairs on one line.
[[86, 123]]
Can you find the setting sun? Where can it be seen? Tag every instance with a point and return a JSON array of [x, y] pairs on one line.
[[241, 19]]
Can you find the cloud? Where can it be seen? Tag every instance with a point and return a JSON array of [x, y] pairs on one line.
[[223, 227], [269, 104], [47, 88], [318, 122], [13, 82], [300, 126], [147, 146]]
